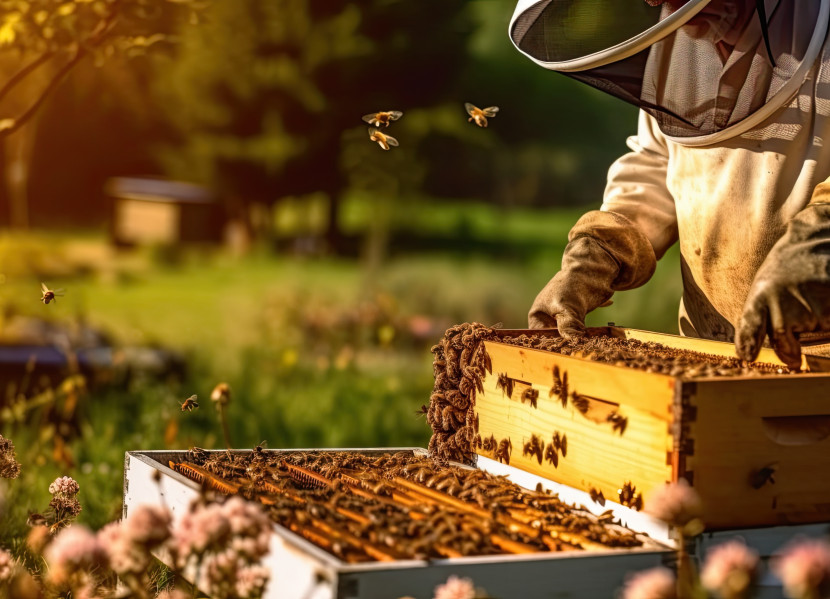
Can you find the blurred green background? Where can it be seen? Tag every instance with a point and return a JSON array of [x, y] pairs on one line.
[[339, 264]]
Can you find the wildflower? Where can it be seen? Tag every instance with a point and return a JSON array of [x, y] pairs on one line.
[[730, 571], [64, 486], [9, 467], [75, 549], [221, 394], [148, 525], [250, 528], [123, 556], [456, 588], [65, 507], [657, 583], [7, 566], [804, 569], [251, 581], [677, 505], [200, 530]]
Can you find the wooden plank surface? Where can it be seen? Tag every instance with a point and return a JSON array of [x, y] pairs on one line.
[[741, 428], [597, 455]]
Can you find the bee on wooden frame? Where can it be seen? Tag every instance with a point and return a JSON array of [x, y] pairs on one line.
[[383, 140], [531, 395], [480, 115], [382, 118], [50, 295], [505, 383], [597, 496]]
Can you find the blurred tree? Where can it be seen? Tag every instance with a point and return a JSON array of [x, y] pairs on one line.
[[267, 97], [552, 141], [43, 41]]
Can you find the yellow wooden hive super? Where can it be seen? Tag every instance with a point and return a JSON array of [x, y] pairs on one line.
[[754, 446]]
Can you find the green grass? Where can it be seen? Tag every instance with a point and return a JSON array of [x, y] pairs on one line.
[[318, 353]]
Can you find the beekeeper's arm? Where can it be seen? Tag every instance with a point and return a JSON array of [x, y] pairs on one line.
[[615, 248], [791, 291]]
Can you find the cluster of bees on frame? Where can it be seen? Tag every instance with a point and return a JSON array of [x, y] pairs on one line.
[[389, 506], [384, 118]]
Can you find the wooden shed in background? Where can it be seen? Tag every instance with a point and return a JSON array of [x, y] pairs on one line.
[[159, 211]]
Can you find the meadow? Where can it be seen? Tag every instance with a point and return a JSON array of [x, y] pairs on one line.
[[318, 351]]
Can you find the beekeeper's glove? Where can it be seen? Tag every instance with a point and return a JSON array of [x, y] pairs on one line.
[[791, 291], [606, 252]]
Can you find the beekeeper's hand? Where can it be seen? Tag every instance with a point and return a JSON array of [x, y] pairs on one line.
[[791, 291], [606, 252]]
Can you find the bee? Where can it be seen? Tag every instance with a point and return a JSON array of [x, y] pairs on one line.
[[505, 383], [221, 393], [50, 294], [551, 455], [531, 395], [190, 404], [383, 140], [597, 496], [618, 422], [629, 496], [480, 115], [763, 476], [383, 118], [422, 411]]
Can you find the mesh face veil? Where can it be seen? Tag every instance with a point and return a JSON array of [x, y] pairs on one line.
[[702, 68]]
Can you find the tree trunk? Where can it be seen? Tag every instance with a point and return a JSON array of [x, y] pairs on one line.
[[334, 236], [18, 150]]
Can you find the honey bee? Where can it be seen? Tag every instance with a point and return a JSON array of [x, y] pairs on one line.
[[597, 496], [531, 395], [383, 140], [480, 115], [190, 404], [505, 383], [383, 118], [50, 294]]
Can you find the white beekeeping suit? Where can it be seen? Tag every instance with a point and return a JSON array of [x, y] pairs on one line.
[[730, 158]]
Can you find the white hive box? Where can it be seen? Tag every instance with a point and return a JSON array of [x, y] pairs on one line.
[[301, 570]]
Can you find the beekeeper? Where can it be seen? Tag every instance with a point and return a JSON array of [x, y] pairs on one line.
[[730, 158]]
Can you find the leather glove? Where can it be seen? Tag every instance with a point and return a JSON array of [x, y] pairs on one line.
[[791, 291], [606, 252]]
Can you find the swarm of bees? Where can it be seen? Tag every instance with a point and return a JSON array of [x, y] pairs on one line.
[[480, 115], [382, 119], [50, 295]]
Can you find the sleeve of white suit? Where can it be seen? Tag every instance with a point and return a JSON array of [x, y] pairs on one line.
[[637, 188]]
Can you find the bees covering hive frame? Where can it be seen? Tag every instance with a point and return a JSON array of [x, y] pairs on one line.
[[461, 362], [616, 414], [400, 505]]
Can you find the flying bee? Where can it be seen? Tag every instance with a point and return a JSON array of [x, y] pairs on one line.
[[383, 140], [383, 118], [480, 115], [190, 404], [50, 294]]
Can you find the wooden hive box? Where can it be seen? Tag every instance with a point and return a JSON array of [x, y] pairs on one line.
[[756, 448]]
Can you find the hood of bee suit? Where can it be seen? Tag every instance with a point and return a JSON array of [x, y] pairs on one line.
[[707, 70]]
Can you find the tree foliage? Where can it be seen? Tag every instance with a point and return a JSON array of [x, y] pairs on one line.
[[56, 36], [268, 96]]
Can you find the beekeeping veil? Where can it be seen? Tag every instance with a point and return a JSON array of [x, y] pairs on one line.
[[707, 70]]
